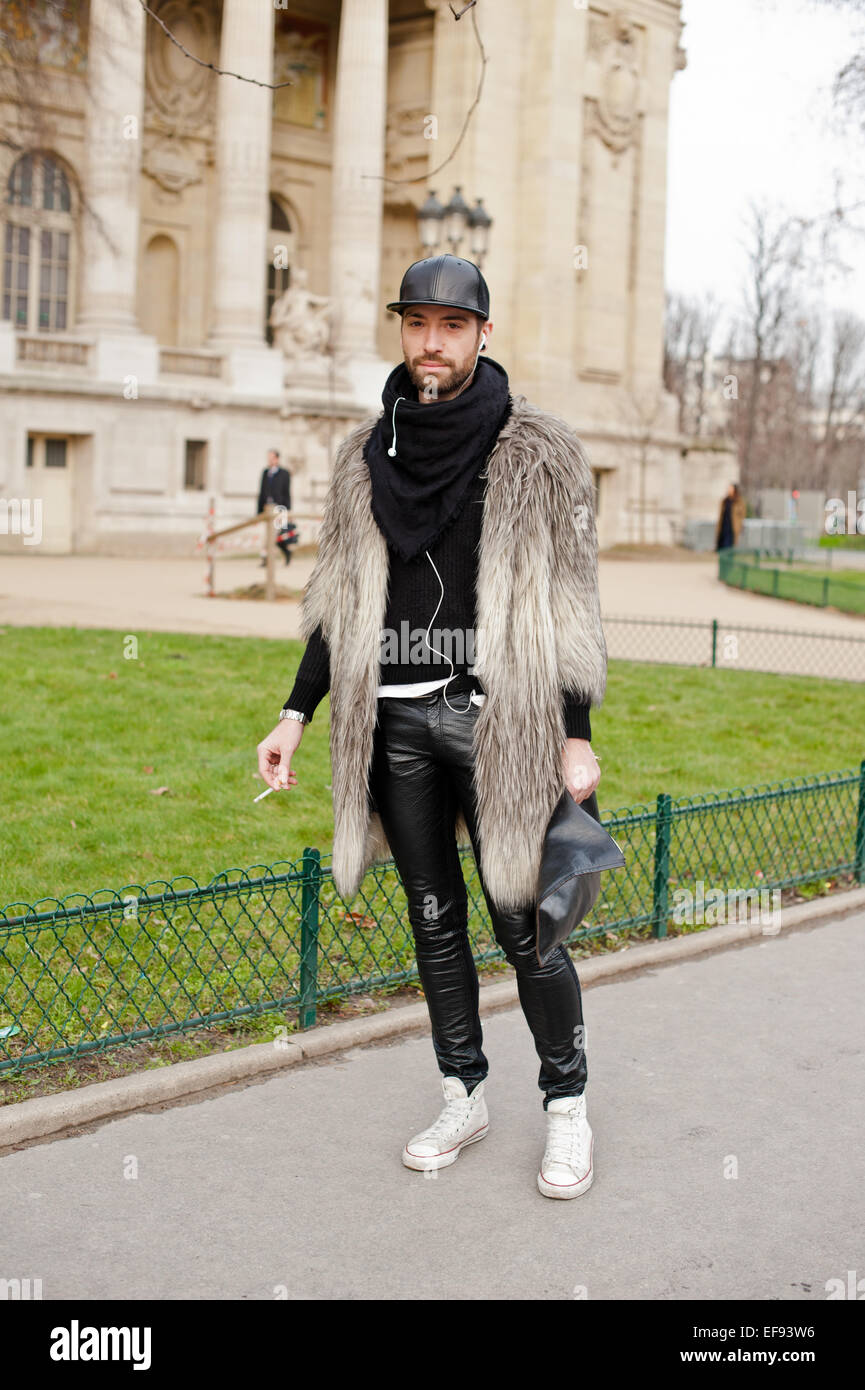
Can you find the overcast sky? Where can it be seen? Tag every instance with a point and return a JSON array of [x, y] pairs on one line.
[[752, 115]]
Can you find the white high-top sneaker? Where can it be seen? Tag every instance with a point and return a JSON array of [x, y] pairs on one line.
[[566, 1168], [463, 1120]]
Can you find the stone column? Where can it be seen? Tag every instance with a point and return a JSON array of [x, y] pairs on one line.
[[243, 174], [487, 163], [551, 126], [242, 207], [357, 192], [109, 254]]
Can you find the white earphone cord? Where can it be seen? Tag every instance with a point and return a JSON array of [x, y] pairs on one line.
[[435, 649], [392, 450]]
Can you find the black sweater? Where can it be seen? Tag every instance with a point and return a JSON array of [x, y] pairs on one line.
[[413, 595]]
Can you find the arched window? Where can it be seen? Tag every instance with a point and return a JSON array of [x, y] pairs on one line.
[[280, 254], [37, 239], [278, 218]]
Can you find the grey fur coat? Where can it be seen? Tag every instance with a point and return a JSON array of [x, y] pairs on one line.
[[539, 627]]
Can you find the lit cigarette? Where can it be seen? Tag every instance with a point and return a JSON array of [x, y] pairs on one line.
[[267, 793]]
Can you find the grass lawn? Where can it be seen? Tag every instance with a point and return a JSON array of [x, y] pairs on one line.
[[856, 577], [88, 736], [844, 541]]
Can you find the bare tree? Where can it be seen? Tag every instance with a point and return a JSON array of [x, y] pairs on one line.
[[845, 396], [849, 85], [676, 321], [847, 212], [689, 329], [792, 440], [706, 316], [642, 411], [29, 90], [776, 258], [24, 85]]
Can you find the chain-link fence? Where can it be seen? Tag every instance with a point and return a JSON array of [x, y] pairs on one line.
[[735, 646], [94, 971]]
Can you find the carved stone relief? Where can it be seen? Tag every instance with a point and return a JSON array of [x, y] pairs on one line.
[[181, 93], [405, 146], [180, 105], [171, 163], [614, 115]]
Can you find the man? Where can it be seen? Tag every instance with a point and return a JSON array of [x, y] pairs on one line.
[[275, 487], [464, 504]]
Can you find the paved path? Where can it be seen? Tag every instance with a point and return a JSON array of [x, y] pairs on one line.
[[751, 1056], [168, 595]]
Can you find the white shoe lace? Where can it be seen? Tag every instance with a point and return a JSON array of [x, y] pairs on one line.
[[567, 1141], [455, 1113]]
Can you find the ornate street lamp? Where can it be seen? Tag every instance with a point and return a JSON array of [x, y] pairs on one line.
[[452, 223], [430, 218], [457, 215], [479, 225]]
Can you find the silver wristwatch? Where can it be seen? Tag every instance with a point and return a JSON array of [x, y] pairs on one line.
[[293, 714]]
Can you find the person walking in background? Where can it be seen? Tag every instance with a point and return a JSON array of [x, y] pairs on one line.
[[275, 487], [731, 518]]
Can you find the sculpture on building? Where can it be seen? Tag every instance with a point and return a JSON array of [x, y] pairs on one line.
[[301, 320]]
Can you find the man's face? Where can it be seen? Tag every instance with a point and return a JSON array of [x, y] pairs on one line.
[[272, 460], [440, 347]]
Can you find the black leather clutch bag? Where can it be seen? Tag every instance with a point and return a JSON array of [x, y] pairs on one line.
[[576, 850]]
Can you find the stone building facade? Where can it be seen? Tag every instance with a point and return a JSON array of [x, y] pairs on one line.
[[152, 212]]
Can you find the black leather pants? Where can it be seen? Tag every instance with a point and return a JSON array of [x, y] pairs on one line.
[[422, 771]]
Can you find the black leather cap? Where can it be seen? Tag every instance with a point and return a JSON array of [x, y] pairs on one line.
[[444, 280]]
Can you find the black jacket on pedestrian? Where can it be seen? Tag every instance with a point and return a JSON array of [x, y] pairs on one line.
[[275, 488]]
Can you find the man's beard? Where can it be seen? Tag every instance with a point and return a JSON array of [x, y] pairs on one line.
[[441, 383]]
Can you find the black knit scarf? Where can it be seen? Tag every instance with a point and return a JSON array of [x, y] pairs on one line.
[[441, 446]]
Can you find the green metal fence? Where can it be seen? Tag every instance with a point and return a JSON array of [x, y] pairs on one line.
[[93, 971], [743, 569]]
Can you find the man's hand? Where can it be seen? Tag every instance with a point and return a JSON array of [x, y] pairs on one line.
[[275, 751], [582, 773]]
